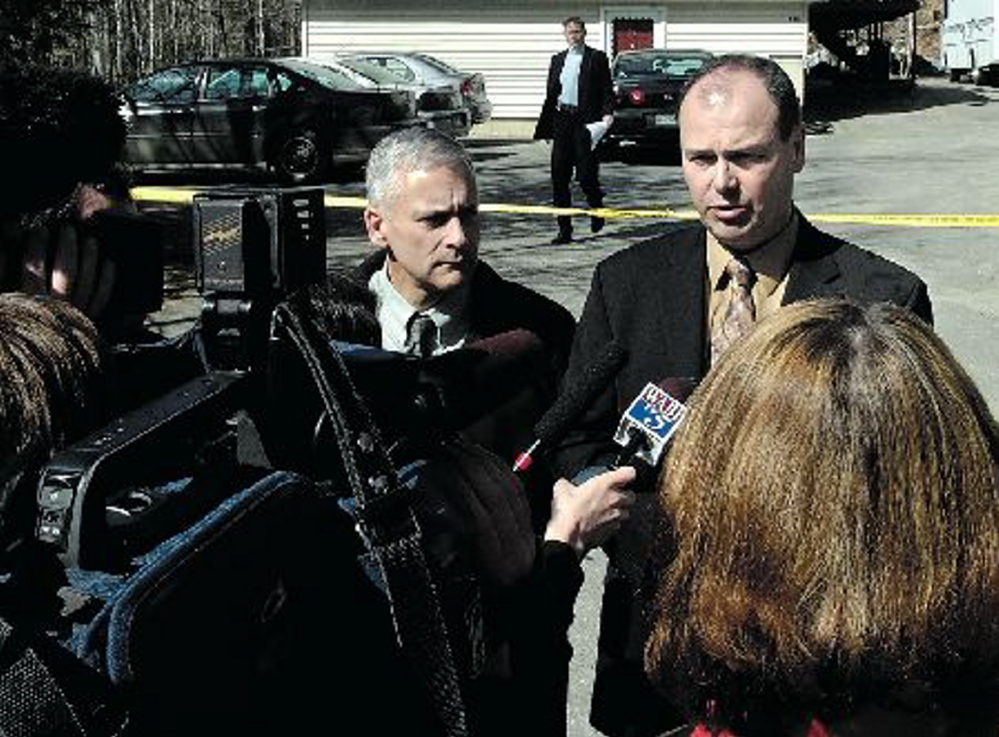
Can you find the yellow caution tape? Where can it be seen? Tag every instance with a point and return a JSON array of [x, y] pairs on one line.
[[174, 195], [913, 221], [169, 195]]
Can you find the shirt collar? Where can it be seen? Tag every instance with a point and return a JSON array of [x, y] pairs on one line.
[[394, 313], [770, 262]]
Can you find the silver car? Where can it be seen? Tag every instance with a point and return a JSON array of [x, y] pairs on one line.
[[414, 66], [438, 106]]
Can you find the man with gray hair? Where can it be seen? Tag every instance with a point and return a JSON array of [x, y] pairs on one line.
[[423, 218], [434, 295]]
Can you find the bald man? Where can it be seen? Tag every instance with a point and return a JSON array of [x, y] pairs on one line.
[[676, 302]]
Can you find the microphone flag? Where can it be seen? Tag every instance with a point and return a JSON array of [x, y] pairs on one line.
[[652, 417]]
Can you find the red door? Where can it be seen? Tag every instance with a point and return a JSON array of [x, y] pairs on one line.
[[632, 33]]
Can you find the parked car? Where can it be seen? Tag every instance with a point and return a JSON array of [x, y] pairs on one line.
[[438, 106], [647, 83], [417, 67], [292, 117]]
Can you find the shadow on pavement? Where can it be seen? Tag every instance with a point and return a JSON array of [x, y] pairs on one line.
[[844, 97]]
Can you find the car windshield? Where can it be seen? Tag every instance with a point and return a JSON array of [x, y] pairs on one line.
[[379, 74], [658, 64], [329, 78]]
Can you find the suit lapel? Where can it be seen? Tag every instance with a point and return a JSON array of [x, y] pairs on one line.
[[582, 86], [682, 302], [814, 270], [557, 65]]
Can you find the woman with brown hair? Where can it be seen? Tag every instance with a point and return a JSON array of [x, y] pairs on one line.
[[833, 517]]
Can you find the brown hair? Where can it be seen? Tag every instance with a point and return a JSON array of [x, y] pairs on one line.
[[49, 360], [834, 502]]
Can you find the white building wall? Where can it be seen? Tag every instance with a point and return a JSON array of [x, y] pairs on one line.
[[777, 31], [511, 44]]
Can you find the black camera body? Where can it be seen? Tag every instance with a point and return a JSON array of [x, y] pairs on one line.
[[133, 243], [252, 247]]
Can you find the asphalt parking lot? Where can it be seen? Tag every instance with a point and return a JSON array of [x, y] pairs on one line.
[[930, 151]]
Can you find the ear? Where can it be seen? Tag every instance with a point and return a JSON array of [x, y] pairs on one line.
[[798, 144], [374, 223]]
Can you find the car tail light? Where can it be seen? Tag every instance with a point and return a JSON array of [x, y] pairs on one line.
[[637, 96], [466, 87]]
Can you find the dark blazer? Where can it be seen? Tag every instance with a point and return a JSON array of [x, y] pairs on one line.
[[596, 91], [651, 298]]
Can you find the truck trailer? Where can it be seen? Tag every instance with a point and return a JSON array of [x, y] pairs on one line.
[[969, 40]]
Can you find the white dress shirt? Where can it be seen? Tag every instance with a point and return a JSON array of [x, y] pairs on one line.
[[570, 77], [394, 313]]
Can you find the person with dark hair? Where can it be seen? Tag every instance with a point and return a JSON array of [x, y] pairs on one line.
[[580, 96], [677, 302], [832, 568], [62, 134]]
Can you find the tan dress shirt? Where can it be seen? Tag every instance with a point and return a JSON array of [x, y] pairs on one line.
[[770, 263]]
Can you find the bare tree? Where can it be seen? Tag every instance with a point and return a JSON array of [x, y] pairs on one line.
[[124, 39]]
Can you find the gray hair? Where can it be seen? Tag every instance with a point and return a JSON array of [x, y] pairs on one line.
[[411, 149]]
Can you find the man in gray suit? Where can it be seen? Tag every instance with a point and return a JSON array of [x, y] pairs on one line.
[[671, 301]]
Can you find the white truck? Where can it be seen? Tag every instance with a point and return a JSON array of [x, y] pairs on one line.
[[969, 40]]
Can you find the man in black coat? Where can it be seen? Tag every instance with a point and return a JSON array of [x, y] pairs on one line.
[[423, 218], [669, 300], [579, 97]]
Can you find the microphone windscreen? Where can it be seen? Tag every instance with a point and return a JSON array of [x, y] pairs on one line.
[[577, 397], [511, 343], [481, 376]]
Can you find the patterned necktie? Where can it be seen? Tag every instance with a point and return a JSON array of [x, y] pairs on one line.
[[740, 315], [421, 335]]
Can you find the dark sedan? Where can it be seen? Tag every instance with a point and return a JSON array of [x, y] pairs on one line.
[[291, 117], [647, 84]]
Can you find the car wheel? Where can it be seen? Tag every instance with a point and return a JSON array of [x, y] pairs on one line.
[[300, 157]]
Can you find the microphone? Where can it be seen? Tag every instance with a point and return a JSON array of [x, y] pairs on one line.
[[464, 385], [572, 402], [412, 395], [647, 425]]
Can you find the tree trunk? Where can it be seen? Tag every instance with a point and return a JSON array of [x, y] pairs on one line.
[[261, 48]]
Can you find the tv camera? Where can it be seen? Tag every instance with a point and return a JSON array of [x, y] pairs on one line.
[[109, 494]]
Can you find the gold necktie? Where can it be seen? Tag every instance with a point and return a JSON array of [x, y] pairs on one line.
[[740, 314]]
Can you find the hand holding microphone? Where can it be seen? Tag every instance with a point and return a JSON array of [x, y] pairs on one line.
[[585, 516]]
